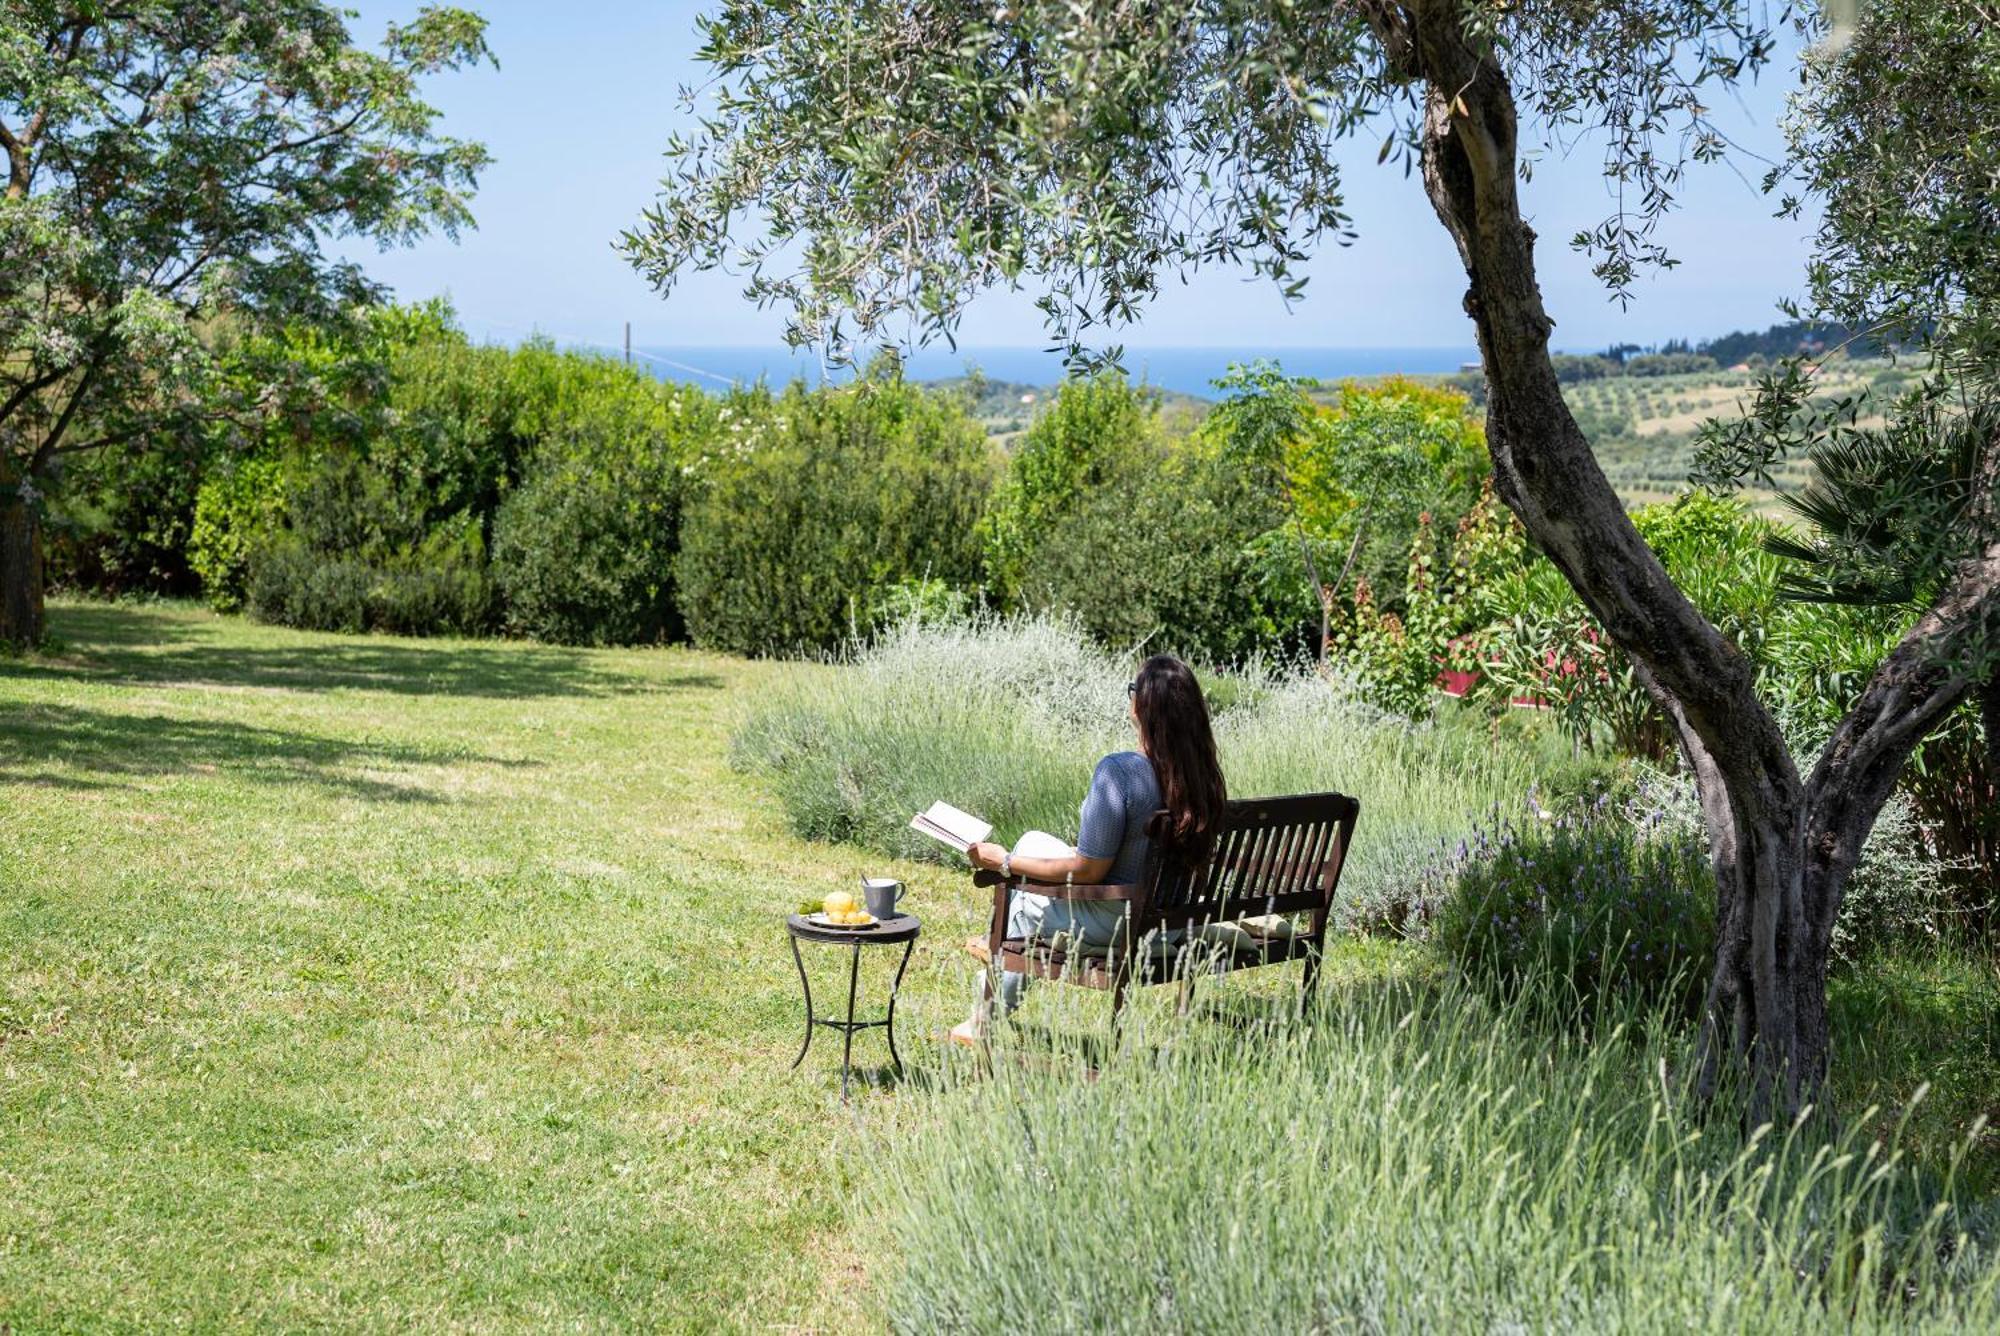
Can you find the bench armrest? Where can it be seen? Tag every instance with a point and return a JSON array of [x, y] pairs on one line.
[[1056, 890], [996, 930]]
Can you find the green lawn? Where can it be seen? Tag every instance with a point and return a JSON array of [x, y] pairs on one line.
[[382, 983], [377, 983]]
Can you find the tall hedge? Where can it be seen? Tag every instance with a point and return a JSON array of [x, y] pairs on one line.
[[1094, 434], [584, 550], [1157, 554], [401, 455], [816, 507]]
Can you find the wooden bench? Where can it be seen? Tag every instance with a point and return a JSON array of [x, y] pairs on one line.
[[1272, 856]]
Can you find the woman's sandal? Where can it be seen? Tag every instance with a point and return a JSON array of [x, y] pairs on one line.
[[977, 948], [966, 1034]]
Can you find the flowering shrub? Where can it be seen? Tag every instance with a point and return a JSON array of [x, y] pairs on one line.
[[1606, 909], [1441, 640], [1543, 650], [1360, 473]]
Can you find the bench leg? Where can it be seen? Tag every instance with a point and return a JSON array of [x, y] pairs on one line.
[[1311, 984]]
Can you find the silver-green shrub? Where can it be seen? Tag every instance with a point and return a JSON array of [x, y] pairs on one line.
[[1007, 717]]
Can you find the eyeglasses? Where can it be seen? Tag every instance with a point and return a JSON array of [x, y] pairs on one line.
[[1131, 688]]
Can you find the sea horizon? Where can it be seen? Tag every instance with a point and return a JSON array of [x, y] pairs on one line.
[[1184, 369]]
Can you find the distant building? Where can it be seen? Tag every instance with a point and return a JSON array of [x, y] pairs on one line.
[[1470, 366]]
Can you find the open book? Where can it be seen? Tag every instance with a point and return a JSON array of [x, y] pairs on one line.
[[947, 825], [961, 830]]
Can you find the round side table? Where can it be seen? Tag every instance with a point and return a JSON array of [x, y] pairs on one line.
[[902, 928]]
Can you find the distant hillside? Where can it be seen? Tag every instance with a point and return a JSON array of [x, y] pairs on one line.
[[1639, 407], [1641, 420], [1643, 429], [1790, 339]]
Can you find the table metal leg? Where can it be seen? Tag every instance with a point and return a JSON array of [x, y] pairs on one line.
[[806, 984], [847, 1034], [895, 988]]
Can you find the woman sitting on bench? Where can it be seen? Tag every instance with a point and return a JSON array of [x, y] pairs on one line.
[[1175, 768]]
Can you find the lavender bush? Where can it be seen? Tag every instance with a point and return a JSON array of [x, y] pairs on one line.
[[1592, 903], [1006, 717]]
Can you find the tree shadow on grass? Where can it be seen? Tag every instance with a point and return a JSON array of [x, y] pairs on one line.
[[67, 747], [107, 643]]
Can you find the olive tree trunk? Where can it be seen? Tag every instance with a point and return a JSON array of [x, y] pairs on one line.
[[1783, 847], [20, 571]]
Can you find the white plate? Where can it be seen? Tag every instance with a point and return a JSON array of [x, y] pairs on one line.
[[819, 920]]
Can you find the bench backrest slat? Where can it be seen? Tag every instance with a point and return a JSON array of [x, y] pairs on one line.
[[1272, 856]]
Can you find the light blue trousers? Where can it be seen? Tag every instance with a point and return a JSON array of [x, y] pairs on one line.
[[1045, 917]]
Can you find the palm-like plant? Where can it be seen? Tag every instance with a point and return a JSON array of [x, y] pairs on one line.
[[1879, 503], [1881, 507]]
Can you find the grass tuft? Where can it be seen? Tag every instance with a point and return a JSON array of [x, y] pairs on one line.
[[1417, 1159]]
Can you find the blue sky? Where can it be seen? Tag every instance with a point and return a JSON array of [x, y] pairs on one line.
[[588, 91]]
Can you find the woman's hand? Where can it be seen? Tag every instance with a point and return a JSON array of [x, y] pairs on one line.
[[986, 855]]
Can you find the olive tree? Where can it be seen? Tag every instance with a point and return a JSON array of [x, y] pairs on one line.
[[891, 158], [169, 166]]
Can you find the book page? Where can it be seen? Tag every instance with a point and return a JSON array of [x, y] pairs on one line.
[[948, 825], [964, 825]]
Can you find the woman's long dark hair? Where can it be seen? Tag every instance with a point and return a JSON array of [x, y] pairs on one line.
[[1175, 734]]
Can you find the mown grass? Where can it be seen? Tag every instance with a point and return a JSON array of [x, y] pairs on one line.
[[359, 982], [369, 982]]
